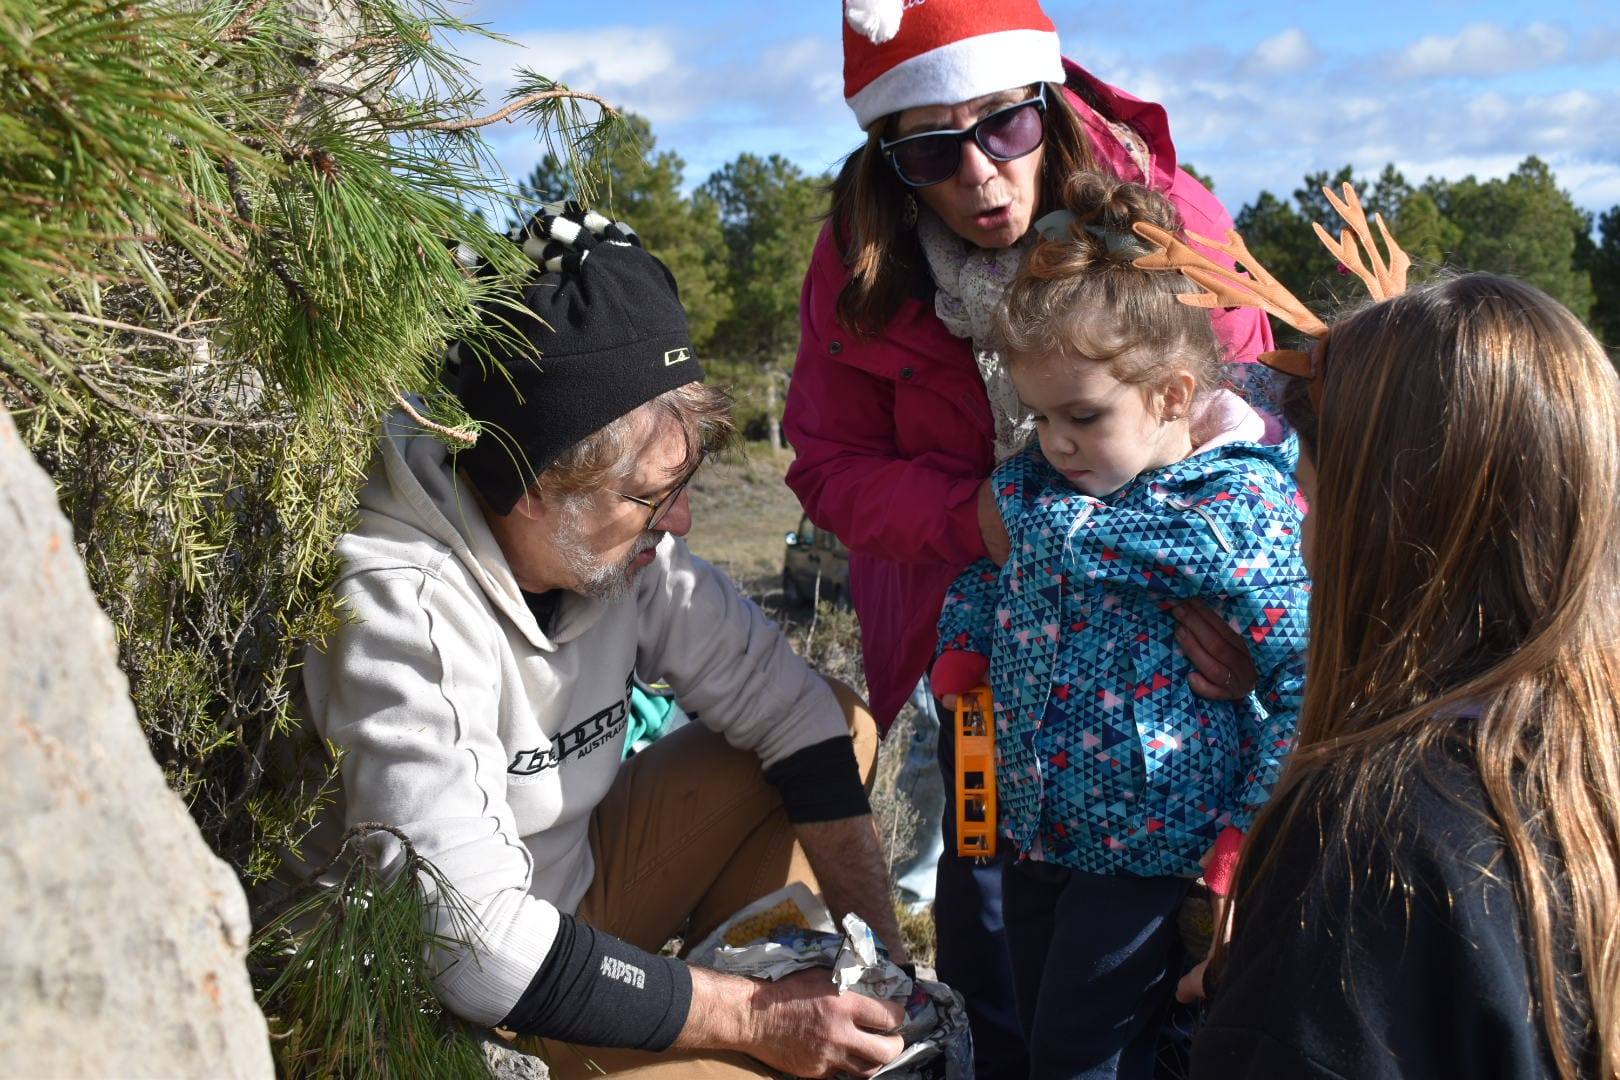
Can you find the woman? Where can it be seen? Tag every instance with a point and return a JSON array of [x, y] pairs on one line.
[[974, 121], [1433, 890]]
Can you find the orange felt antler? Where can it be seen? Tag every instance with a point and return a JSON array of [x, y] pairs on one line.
[[1253, 286], [1225, 287], [1386, 278]]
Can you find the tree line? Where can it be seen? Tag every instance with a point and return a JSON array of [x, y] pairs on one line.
[[1523, 224], [739, 243]]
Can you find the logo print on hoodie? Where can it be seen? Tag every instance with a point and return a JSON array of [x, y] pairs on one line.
[[590, 734]]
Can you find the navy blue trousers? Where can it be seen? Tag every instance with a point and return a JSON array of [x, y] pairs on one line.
[[972, 955], [1095, 960]]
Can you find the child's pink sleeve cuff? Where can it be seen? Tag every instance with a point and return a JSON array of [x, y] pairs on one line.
[[957, 671], [1222, 862]]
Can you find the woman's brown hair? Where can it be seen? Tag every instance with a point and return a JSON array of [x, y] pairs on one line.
[[1466, 570], [868, 208], [1079, 293]]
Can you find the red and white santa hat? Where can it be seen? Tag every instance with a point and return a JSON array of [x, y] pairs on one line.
[[903, 53]]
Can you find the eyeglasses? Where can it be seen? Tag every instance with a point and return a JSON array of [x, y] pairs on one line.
[[931, 157], [666, 502]]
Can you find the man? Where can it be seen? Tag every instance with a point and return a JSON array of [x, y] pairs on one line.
[[501, 602]]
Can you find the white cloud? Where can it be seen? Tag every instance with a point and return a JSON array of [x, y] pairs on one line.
[[636, 68], [1284, 53], [1597, 45], [1592, 186], [1482, 50], [706, 99], [1230, 120], [1258, 115]]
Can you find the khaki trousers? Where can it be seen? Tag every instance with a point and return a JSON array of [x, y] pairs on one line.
[[689, 833]]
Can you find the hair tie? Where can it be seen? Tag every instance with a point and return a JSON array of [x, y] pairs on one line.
[[1058, 226], [1055, 226]]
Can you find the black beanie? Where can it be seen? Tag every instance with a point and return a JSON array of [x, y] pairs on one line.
[[599, 332]]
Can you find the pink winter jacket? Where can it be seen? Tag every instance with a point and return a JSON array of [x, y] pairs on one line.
[[893, 434]]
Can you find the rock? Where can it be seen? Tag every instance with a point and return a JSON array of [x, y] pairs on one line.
[[124, 936], [506, 1062]]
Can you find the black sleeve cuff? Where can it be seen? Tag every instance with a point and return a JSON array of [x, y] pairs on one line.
[[596, 990], [821, 782]]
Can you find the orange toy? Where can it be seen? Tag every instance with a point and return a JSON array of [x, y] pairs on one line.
[[975, 774]]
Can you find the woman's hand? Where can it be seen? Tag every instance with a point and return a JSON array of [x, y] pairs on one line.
[[1223, 668], [997, 544]]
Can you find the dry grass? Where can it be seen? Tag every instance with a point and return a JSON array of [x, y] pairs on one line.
[[741, 510], [741, 513]]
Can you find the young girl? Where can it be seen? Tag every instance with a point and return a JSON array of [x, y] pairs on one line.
[[1149, 486], [1433, 891]]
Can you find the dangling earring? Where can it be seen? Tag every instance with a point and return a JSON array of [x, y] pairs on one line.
[[908, 216]]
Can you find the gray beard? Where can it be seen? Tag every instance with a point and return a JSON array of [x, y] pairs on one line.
[[593, 577]]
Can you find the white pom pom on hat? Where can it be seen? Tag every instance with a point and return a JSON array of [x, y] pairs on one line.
[[877, 20], [899, 54]]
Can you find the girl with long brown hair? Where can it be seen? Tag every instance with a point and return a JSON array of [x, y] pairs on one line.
[[1433, 889]]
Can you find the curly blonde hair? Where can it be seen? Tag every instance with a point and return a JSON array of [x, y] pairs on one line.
[[1079, 295]]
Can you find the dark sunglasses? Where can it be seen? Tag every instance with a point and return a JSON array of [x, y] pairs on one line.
[[665, 502], [931, 157]]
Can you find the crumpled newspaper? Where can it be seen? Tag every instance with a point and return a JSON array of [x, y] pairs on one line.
[[935, 1031], [791, 907]]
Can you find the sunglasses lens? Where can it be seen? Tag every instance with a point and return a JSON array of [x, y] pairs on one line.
[[1012, 134], [929, 159]]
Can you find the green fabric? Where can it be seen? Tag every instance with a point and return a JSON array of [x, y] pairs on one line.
[[649, 714]]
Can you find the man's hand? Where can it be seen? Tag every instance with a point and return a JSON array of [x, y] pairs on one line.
[[997, 544], [848, 864], [801, 1024], [1223, 670]]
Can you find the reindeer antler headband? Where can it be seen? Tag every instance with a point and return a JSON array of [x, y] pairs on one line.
[[1253, 286]]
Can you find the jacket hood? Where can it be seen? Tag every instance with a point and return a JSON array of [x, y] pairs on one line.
[[1225, 456], [1146, 118], [421, 494]]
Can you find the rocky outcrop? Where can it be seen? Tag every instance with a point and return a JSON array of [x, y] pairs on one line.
[[124, 937]]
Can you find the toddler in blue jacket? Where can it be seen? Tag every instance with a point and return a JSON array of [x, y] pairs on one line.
[[1149, 486]]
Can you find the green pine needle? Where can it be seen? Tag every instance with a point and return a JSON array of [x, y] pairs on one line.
[[346, 972]]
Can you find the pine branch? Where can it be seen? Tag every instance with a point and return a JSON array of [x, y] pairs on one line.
[[527, 101], [348, 971], [238, 29], [464, 437], [105, 396], [233, 179], [128, 328], [325, 66]]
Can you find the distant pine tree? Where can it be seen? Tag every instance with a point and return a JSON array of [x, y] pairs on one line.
[[1602, 261]]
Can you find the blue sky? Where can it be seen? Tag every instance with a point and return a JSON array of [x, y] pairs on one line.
[[1258, 93]]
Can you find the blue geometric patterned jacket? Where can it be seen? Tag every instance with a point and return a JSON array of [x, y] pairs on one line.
[[1106, 760]]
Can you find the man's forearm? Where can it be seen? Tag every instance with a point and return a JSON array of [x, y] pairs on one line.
[[848, 862]]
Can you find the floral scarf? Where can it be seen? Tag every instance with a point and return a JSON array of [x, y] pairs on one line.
[[969, 282]]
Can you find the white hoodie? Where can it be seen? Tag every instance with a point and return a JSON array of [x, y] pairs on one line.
[[489, 741]]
